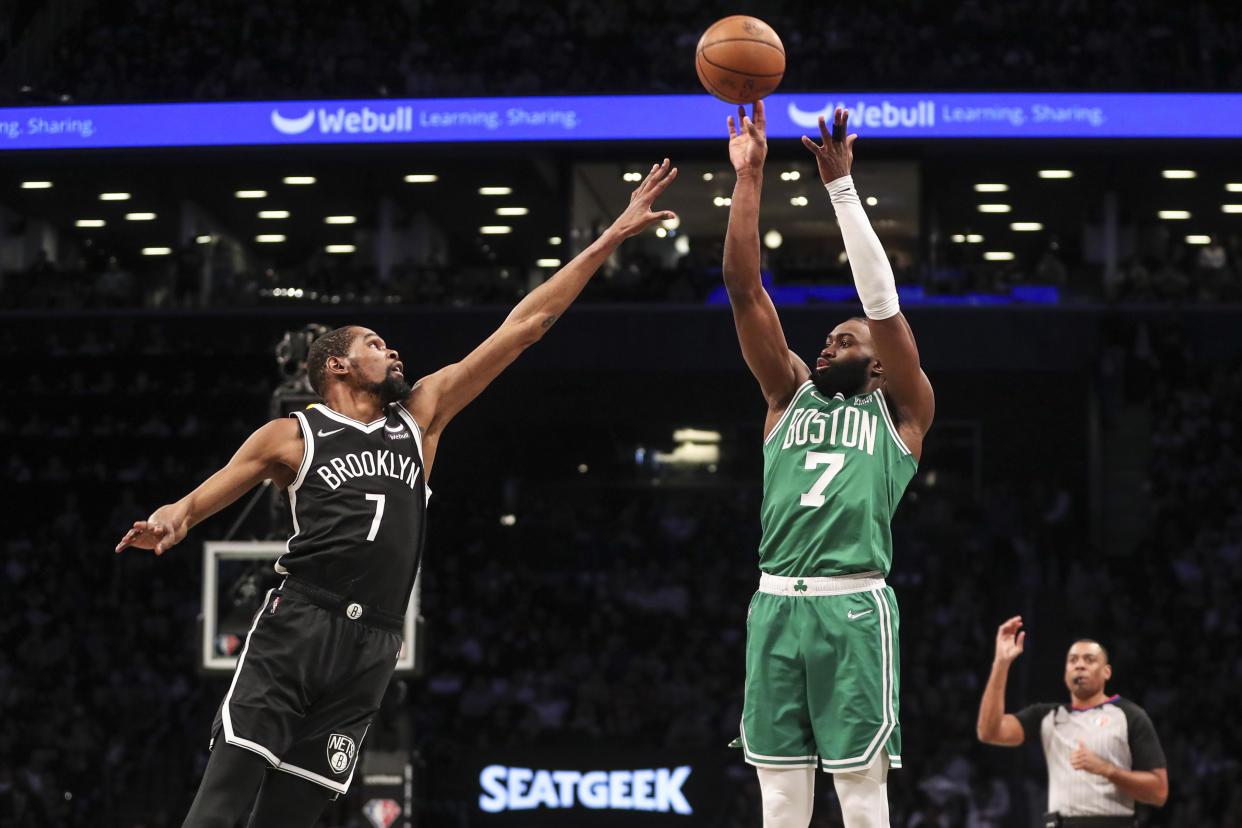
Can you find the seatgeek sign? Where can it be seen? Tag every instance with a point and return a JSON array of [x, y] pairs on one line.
[[614, 787], [651, 789], [923, 115]]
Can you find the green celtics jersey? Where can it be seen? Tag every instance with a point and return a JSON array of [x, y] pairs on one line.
[[834, 470]]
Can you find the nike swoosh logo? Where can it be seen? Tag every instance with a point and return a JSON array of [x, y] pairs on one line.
[[323, 433], [852, 615]]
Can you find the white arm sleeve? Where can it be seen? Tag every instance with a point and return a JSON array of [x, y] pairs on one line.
[[873, 275]]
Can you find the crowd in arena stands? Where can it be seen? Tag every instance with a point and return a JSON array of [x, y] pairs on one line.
[[584, 621], [1208, 274], [243, 49]]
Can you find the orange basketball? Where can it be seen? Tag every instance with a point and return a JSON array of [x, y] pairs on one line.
[[740, 59]]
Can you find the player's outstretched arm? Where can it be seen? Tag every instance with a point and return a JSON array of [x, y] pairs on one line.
[[905, 384], [995, 726], [759, 331], [271, 452], [438, 397]]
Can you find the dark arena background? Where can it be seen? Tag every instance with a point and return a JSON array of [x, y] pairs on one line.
[[186, 187]]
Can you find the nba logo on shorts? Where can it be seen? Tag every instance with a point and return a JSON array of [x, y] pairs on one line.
[[340, 752]]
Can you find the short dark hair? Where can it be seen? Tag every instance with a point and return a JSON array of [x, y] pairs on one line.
[[1103, 649], [335, 343]]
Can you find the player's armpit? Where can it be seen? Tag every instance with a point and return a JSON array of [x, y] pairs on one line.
[[271, 452], [438, 397]]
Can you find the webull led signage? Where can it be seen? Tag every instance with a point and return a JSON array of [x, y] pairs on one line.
[[897, 115]]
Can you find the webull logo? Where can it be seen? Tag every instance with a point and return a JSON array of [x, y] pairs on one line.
[[653, 789], [883, 114], [363, 121]]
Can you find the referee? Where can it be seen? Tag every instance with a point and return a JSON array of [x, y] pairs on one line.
[[1103, 753]]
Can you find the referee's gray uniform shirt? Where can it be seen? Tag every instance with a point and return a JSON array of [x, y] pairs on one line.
[[1118, 731]]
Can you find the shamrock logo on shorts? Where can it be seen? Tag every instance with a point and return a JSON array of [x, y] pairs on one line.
[[800, 587]]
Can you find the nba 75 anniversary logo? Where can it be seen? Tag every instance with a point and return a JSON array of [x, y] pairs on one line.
[[341, 752]]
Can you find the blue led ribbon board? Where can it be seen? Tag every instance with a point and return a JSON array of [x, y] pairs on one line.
[[922, 115]]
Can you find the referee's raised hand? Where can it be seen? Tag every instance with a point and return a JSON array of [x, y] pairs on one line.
[[1009, 640]]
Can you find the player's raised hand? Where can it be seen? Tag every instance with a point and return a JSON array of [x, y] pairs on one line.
[[835, 156], [638, 216], [159, 532], [748, 140], [1009, 641]]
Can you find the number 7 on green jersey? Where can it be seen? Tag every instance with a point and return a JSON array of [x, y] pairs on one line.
[[835, 461]]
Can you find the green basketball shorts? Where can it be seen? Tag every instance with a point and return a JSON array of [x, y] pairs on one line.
[[821, 673]]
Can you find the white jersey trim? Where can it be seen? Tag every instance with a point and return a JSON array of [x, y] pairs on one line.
[[226, 717], [887, 688], [366, 428], [888, 420], [308, 457], [405, 414], [330, 784], [788, 410], [308, 451], [774, 761]]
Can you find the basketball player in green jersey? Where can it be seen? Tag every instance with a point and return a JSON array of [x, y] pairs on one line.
[[840, 444]]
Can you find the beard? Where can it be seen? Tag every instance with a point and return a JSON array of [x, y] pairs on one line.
[[841, 377], [393, 388]]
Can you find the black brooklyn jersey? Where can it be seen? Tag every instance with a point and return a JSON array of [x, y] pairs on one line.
[[359, 506]]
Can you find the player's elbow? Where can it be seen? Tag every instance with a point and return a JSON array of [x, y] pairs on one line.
[[528, 330], [743, 292]]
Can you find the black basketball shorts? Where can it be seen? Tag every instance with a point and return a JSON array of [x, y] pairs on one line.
[[308, 682]]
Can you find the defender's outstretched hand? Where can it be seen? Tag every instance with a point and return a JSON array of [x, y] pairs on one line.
[[639, 216], [748, 141], [835, 156], [158, 532]]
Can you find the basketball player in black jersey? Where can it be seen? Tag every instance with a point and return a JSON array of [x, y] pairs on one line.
[[323, 646]]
